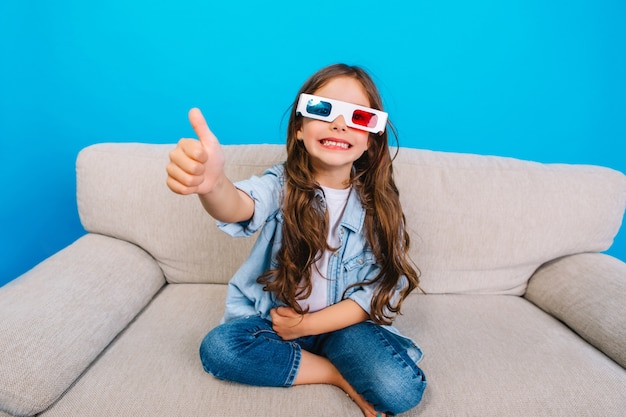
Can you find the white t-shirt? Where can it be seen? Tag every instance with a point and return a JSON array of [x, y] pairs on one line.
[[336, 201]]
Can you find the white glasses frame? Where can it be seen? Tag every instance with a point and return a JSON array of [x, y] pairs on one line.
[[306, 103]]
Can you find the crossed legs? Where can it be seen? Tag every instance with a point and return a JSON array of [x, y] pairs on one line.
[[376, 368]]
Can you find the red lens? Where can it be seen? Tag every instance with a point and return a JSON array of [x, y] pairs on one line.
[[364, 118]]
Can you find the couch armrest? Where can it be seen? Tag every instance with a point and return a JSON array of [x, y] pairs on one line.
[[588, 293], [58, 317]]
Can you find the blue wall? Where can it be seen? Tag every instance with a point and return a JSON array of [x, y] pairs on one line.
[[524, 78]]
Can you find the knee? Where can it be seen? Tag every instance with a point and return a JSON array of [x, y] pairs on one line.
[[221, 349], [399, 396], [218, 349], [215, 350]]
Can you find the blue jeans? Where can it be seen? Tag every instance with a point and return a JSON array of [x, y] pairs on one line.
[[378, 364]]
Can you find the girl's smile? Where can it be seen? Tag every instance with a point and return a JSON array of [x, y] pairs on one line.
[[335, 144]]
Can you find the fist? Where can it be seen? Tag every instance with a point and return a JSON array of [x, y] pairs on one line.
[[196, 165], [287, 323]]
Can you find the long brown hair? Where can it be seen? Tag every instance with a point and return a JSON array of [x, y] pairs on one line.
[[305, 222]]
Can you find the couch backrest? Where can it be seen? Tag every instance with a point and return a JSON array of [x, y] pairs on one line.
[[478, 224], [484, 224]]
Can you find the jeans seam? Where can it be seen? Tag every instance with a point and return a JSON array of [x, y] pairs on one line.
[[297, 354], [295, 366], [399, 354]]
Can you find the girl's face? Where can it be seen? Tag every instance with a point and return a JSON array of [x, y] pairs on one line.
[[332, 146]]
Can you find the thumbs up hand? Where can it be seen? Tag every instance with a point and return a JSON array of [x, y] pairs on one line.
[[196, 166]]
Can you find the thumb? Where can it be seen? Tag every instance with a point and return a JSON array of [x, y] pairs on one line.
[[201, 128]]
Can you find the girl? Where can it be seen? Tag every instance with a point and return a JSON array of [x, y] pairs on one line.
[[314, 302]]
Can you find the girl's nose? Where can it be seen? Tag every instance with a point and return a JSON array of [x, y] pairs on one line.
[[338, 124]]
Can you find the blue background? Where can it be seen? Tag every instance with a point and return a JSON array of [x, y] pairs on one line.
[[530, 79]]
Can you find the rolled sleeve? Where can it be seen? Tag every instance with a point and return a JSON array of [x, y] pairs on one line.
[[265, 192], [363, 295]]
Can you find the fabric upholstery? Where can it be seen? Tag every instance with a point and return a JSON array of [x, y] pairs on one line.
[[121, 192], [486, 356], [162, 374], [96, 331], [479, 224], [588, 293], [500, 356], [483, 224], [58, 317]]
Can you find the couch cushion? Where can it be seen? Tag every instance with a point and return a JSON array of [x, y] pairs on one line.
[[484, 356], [502, 356], [484, 224], [121, 192], [588, 293], [479, 224], [154, 369], [58, 317]]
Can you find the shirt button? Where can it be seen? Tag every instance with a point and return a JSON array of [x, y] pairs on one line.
[[341, 231], [335, 254], [360, 261]]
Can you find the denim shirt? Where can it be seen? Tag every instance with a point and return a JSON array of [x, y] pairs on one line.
[[351, 263]]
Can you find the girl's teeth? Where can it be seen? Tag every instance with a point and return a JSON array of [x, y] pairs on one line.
[[338, 144]]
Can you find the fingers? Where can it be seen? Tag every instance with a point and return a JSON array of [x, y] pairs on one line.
[[184, 172], [280, 315], [201, 127], [178, 187], [180, 181]]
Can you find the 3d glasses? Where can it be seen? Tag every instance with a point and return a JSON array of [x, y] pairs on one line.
[[326, 109]]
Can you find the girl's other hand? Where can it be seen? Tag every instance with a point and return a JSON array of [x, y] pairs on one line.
[[287, 323], [196, 165]]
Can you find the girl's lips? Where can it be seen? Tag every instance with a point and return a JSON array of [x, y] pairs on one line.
[[335, 143]]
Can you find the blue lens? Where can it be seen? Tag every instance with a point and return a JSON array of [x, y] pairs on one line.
[[319, 108]]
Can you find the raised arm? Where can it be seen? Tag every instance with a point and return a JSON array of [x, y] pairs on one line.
[[197, 167]]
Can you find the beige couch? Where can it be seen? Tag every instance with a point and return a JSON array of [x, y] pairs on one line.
[[523, 316]]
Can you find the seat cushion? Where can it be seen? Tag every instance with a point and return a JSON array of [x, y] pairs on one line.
[[502, 356], [154, 369], [485, 355]]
